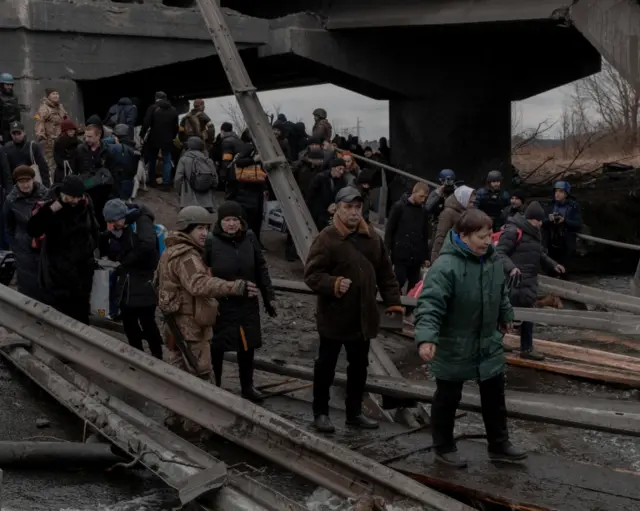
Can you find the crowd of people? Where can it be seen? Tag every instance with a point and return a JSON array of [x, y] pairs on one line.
[[68, 196]]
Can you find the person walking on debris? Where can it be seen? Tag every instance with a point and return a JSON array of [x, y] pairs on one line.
[[562, 224], [66, 230], [49, 124], [463, 303], [187, 295], [492, 199], [198, 124], [233, 253], [520, 250], [22, 151], [10, 110], [126, 159], [456, 204], [64, 151], [131, 240], [321, 128], [196, 177], [435, 201], [407, 236], [230, 146], [18, 208], [123, 112], [322, 193], [347, 265], [159, 128], [518, 198]]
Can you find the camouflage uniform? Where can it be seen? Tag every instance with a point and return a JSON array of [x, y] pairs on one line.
[[322, 128], [48, 121], [187, 291]]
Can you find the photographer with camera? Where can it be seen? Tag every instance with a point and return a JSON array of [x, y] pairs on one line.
[[435, 201], [562, 223]]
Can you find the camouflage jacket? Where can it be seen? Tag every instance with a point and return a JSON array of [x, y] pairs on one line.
[[323, 130], [49, 119], [187, 290]]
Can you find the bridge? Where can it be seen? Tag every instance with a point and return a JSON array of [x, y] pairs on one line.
[[449, 68]]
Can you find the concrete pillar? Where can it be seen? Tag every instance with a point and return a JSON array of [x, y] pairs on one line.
[[469, 135], [31, 91]]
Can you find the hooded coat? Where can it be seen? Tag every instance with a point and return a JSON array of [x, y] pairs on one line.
[[450, 215], [526, 254], [463, 302], [18, 208], [182, 181], [123, 112], [137, 252], [238, 257], [67, 259]]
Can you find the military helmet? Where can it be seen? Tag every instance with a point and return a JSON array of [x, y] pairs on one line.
[[7, 78], [494, 175], [320, 112], [193, 215]]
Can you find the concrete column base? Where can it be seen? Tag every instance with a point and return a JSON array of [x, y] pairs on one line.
[[469, 135]]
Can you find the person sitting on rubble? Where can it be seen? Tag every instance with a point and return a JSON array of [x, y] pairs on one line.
[[492, 198], [463, 303], [456, 204], [233, 253], [131, 240], [188, 294], [347, 265], [562, 223], [520, 250]]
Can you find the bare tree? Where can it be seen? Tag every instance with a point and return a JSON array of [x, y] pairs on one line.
[[613, 102], [232, 109]]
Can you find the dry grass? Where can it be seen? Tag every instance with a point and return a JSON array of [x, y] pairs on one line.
[[541, 163]]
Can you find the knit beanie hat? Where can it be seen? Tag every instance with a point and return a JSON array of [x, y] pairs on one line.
[[534, 212], [50, 90], [72, 186], [67, 124], [114, 210], [231, 208]]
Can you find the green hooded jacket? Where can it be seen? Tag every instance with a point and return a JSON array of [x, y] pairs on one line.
[[463, 302]]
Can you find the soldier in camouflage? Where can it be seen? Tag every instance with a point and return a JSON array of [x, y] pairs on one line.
[[188, 292], [322, 128], [49, 125]]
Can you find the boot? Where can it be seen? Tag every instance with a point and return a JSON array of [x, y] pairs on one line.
[[362, 422], [253, 394], [506, 452], [322, 424], [531, 355], [451, 459]]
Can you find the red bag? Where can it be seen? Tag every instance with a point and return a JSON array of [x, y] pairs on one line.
[[416, 290], [495, 237]]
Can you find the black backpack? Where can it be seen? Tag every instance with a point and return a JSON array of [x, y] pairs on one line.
[[203, 174]]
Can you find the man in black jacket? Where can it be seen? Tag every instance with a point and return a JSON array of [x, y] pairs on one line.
[[67, 229], [21, 151], [407, 236], [131, 240], [159, 129]]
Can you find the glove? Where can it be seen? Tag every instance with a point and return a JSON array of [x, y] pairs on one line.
[[270, 307], [514, 281]]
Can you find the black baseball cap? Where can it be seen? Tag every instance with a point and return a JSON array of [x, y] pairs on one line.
[[348, 194], [16, 126]]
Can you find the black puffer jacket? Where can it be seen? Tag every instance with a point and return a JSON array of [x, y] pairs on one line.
[[67, 259], [161, 121], [137, 252], [527, 255], [21, 154], [321, 194], [407, 233], [233, 258], [18, 208], [64, 150]]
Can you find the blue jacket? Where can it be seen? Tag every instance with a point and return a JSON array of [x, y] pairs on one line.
[[567, 230]]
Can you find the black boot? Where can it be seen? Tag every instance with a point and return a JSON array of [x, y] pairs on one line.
[[362, 422], [245, 368], [506, 452], [322, 424], [253, 395], [451, 459]]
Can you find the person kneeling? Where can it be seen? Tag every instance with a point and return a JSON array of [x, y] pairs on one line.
[[463, 303]]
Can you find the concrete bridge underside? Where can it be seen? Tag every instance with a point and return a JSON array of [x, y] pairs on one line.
[[449, 68]]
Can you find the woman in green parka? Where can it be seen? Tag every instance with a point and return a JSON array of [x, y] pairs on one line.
[[462, 315]]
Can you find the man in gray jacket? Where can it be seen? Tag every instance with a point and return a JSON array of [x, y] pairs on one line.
[[196, 176]]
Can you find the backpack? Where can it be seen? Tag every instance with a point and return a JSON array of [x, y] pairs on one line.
[[161, 235], [192, 126], [495, 237], [202, 176]]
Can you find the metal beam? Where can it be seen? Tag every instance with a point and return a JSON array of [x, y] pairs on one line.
[[331, 466], [594, 414]]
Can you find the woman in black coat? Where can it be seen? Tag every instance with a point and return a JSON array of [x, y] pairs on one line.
[[233, 252]]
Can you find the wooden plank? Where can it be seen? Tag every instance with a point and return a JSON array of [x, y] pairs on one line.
[[580, 354], [614, 416]]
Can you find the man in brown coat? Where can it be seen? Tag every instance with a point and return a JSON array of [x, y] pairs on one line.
[[347, 265]]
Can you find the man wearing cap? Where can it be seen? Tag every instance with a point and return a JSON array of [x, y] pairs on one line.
[[49, 123], [67, 230], [523, 256], [131, 240], [18, 208], [21, 151], [347, 266]]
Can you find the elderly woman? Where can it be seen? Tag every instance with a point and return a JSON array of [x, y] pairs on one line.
[[462, 315], [233, 253], [457, 203]]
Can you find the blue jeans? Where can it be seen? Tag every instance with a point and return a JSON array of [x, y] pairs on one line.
[[526, 336], [166, 166]]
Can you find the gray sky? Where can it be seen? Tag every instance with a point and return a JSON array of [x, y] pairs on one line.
[[345, 108]]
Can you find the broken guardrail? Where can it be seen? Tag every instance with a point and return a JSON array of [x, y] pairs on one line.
[[341, 471]]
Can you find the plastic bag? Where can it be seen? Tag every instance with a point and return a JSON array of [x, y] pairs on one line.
[[100, 292]]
